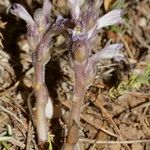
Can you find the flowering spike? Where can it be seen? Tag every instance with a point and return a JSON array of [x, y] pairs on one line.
[[19, 11], [40, 40]]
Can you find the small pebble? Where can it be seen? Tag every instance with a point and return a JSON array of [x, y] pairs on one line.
[[142, 22]]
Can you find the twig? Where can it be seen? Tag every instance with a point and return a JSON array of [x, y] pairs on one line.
[[30, 109], [127, 47], [97, 126], [85, 118], [106, 115], [114, 142], [10, 88], [139, 94], [29, 71], [14, 116], [29, 136], [17, 143], [109, 118]]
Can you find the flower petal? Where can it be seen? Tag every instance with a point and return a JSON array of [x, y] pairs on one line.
[[47, 9], [91, 32], [75, 7], [108, 52], [42, 16], [38, 17], [19, 11], [111, 18]]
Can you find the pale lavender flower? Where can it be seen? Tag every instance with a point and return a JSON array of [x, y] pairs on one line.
[[75, 7], [111, 18], [40, 33], [36, 29], [41, 14], [83, 40], [108, 52], [19, 11], [84, 65], [36, 26]]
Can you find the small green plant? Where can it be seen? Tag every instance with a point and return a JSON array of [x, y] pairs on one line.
[[135, 82], [5, 139]]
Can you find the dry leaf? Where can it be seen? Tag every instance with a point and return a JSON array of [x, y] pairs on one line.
[[107, 4], [2, 24]]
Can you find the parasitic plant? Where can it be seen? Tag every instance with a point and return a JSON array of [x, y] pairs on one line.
[[83, 37], [40, 30]]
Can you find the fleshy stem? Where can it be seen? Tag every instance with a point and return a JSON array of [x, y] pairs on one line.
[[40, 59], [41, 95], [79, 58], [78, 97]]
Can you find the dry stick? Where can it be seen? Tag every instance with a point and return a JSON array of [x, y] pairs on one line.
[[29, 136], [109, 118], [93, 124], [127, 47], [17, 143], [32, 118], [114, 142], [14, 116], [105, 113], [142, 95], [29, 71]]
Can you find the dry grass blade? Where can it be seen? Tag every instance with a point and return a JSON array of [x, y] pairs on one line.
[[5, 138], [114, 142], [29, 136], [95, 125], [17, 143], [109, 118], [14, 116]]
